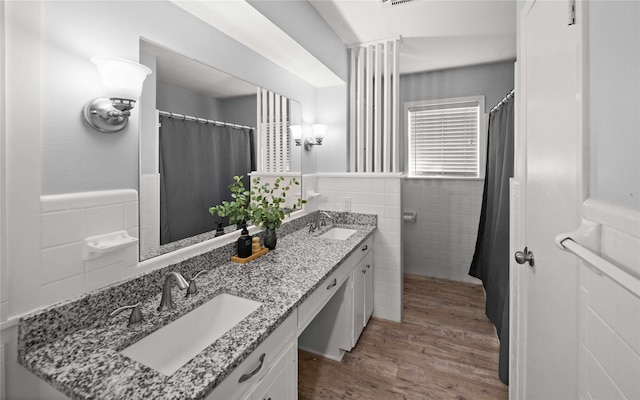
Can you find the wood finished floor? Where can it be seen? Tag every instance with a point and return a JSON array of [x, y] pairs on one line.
[[445, 348]]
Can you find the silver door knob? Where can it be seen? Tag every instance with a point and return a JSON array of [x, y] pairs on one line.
[[525, 256]]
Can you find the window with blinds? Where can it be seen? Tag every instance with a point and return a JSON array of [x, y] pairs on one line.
[[444, 138]]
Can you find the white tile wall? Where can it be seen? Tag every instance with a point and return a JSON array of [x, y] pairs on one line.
[[376, 194], [442, 241], [69, 218], [609, 314]]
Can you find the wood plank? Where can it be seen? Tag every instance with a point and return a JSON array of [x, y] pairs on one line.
[[445, 348]]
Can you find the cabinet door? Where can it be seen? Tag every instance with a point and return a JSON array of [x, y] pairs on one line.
[[358, 301], [282, 380], [368, 287]]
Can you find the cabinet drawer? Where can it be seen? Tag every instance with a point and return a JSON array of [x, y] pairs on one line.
[[281, 381], [254, 367], [314, 303], [362, 251]]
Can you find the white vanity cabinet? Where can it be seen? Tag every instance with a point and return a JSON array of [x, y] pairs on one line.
[[328, 322], [272, 366], [337, 325]]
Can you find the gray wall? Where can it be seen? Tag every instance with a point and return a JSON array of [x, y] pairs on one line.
[[177, 99], [441, 242], [237, 110], [333, 155], [77, 158], [240, 110], [614, 101], [493, 81]]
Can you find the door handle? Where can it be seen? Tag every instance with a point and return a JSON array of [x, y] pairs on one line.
[[252, 373], [525, 256]]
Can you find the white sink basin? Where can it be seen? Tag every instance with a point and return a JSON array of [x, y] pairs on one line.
[[338, 233], [172, 346]]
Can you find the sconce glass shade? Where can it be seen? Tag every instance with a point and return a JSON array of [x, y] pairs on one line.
[[296, 131], [121, 79], [296, 134], [319, 130], [121, 86]]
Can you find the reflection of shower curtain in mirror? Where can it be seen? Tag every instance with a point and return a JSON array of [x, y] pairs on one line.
[[197, 164]]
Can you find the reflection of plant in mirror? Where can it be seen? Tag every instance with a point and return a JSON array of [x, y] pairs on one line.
[[237, 209], [268, 201]]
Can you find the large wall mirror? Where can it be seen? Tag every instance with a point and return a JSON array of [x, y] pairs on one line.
[[200, 127]]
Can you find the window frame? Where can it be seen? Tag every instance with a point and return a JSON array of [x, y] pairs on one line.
[[482, 134]]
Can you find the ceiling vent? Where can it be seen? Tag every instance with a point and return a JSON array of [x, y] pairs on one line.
[[391, 3]]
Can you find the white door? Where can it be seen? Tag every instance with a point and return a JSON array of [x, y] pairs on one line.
[[549, 177]]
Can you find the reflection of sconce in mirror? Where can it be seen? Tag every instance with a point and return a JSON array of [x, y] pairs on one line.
[[318, 134], [296, 134], [121, 85]]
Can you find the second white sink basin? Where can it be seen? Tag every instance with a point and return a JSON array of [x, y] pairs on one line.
[[172, 346], [338, 233]]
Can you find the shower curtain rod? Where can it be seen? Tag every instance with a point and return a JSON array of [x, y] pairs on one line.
[[505, 98], [201, 120]]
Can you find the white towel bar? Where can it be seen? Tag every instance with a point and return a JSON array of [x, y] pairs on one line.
[[602, 266]]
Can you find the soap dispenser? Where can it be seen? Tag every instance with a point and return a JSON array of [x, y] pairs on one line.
[[244, 243], [219, 230]]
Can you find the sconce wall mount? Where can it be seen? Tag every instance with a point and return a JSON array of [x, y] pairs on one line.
[[310, 142], [122, 85], [315, 140]]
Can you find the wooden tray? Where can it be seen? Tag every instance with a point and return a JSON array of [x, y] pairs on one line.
[[252, 257]]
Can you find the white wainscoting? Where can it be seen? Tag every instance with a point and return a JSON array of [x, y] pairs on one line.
[[609, 350]]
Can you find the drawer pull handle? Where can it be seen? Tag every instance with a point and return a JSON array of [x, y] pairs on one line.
[[335, 282], [368, 266], [364, 271], [252, 373], [365, 248]]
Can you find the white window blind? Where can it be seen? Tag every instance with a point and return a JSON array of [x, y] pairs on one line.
[[444, 139]]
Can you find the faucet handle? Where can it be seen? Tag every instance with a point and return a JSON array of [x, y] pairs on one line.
[[134, 318], [193, 289]]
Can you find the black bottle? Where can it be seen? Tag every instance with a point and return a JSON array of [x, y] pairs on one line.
[[219, 230], [244, 243]]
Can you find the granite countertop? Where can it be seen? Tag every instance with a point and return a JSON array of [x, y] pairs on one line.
[[86, 364]]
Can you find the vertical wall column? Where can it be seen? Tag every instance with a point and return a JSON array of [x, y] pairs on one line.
[[374, 143]]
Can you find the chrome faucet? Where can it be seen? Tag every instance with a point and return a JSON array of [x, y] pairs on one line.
[[167, 302], [134, 318], [319, 222], [193, 289]]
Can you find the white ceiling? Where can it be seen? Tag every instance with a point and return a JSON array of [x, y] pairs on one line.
[[244, 23], [436, 34], [184, 72]]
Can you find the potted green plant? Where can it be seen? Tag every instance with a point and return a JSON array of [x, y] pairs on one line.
[[237, 210], [267, 206]]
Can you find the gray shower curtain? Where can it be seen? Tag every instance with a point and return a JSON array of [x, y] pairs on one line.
[[491, 258], [197, 164]]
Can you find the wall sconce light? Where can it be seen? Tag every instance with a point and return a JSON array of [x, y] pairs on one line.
[[121, 86], [319, 131], [296, 134]]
